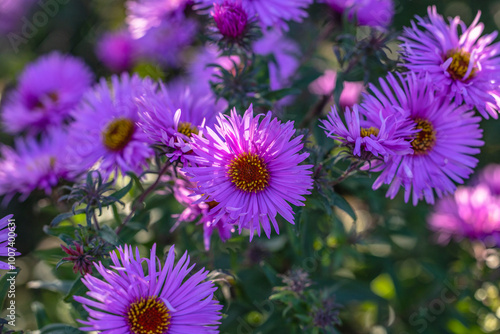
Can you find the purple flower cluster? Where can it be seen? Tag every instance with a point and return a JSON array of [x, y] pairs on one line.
[[471, 213]]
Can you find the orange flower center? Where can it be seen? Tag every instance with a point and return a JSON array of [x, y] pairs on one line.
[[118, 133], [425, 139], [460, 64], [187, 129], [148, 316], [248, 172], [368, 132]]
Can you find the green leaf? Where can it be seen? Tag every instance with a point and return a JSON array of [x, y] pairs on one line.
[[63, 216], [341, 203], [119, 194], [77, 289], [109, 235], [42, 319]]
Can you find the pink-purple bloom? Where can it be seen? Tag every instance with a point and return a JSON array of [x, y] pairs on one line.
[[448, 136], [367, 138], [173, 114], [463, 66], [48, 90], [490, 176], [35, 164], [162, 299], [271, 13], [230, 18], [183, 192], [11, 14], [471, 213], [250, 166], [373, 13], [105, 129], [116, 50]]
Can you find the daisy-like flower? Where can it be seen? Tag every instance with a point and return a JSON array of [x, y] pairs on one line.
[[271, 13], [251, 168], [447, 138], [231, 19], [373, 13], [48, 90], [183, 192], [162, 301], [472, 213], [7, 228], [382, 137], [35, 165], [116, 50], [173, 114], [463, 66], [105, 130]]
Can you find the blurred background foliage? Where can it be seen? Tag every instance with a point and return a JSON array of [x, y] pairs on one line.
[[383, 268]]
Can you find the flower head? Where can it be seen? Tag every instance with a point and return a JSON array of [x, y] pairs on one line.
[[48, 90], [250, 167], [35, 165], [11, 13], [230, 18], [325, 85], [131, 301], [271, 13], [105, 129], [472, 212], [447, 138], [173, 114], [116, 50], [463, 66], [377, 137]]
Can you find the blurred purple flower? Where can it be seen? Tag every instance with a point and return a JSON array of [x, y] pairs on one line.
[[271, 13], [11, 12], [173, 114], [116, 50], [325, 85], [373, 13], [251, 169], [48, 90], [183, 192], [377, 137], [105, 129], [441, 153], [464, 67], [35, 164], [129, 300], [472, 212], [490, 177]]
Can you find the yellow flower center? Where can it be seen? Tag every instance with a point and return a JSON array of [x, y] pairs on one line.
[[425, 139], [248, 171], [460, 64], [187, 129], [52, 96], [368, 132], [118, 134], [148, 316]]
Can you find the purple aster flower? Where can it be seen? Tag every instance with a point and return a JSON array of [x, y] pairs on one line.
[[7, 227], [231, 19], [48, 90], [325, 85], [183, 192], [251, 168], [35, 164], [129, 300], [116, 50], [373, 13], [377, 137], [465, 67], [441, 154], [472, 213], [105, 130], [171, 115], [271, 13]]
